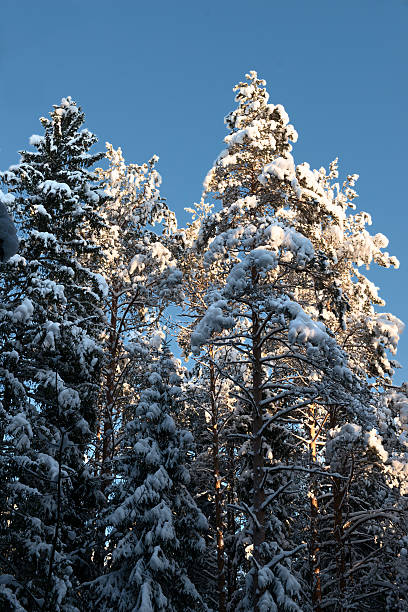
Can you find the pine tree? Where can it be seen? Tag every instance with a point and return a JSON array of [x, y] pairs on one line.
[[154, 526], [217, 421], [50, 326], [284, 232], [262, 268], [140, 274]]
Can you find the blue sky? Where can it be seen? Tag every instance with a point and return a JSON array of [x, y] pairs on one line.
[[157, 77]]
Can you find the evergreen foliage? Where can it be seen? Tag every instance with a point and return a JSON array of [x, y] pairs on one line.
[[50, 326], [153, 524], [141, 277]]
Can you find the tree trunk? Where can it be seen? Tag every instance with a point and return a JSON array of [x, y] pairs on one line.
[[105, 430], [338, 500], [218, 494], [314, 552], [231, 566], [107, 434], [258, 530], [339, 494]]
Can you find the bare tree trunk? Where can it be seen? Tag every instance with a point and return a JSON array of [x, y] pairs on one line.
[[105, 428], [108, 433], [314, 516], [339, 495], [231, 565], [338, 501], [258, 532], [218, 494]]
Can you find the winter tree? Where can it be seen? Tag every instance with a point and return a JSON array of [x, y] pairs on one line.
[[284, 236], [294, 494], [261, 264], [50, 327], [211, 417], [140, 274], [153, 524]]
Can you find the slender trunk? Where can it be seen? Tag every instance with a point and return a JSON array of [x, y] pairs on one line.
[[231, 566], [314, 517], [339, 493], [47, 604], [218, 494], [108, 433], [105, 444], [98, 453], [258, 532], [338, 500]]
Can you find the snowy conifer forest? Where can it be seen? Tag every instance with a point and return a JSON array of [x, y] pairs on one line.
[[199, 418]]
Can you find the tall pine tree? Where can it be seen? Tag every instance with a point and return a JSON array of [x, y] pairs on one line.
[[284, 235]]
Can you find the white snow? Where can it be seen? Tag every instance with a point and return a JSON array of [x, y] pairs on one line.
[[250, 133], [39, 208], [281, 168], [55, 188], [102, 284], [23, 312], [53, 333], [36, 140], [69, 398], [20, 429], [374, 441], [213, 321], [303, 329], [157, 338], [44, 237]]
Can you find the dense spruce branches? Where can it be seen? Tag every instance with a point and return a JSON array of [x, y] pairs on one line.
[[153, 525], [51, 357]]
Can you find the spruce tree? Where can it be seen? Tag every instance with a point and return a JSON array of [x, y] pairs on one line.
[[50, 326], [154, 528]]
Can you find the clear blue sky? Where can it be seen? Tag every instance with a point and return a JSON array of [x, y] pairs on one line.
[[156, 77]]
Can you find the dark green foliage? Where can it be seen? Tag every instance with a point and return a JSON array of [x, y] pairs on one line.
[[50, 327]]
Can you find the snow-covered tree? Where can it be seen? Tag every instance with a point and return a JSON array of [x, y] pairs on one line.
[[367, 335], [279, 347], [51, 320], [142, 277], [217, 421], [282, 257], [300, 461], [260, 265], [363, 516], [258, 162], [140, 274], [209, 415], [154, 528]]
